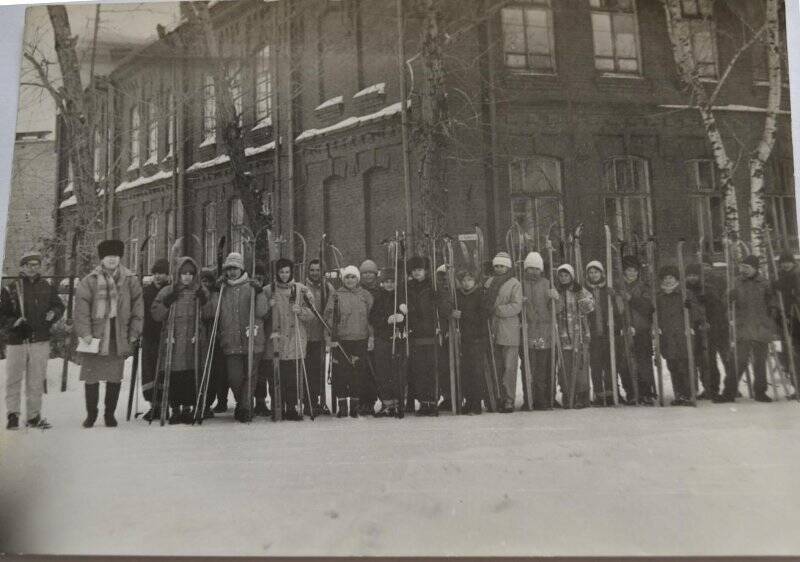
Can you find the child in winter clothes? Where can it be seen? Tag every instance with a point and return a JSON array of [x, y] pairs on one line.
[[387, 326], [704, 352], [346, 313], [755, 328], [634, 295], [151, 337], [599, 351], [670, 304], [472, 318], [184, 298], [574, 303]]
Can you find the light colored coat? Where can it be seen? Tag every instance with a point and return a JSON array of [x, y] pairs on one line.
[[537, 311], [291, 330], [507, 306], [234, 318], [354, 307]]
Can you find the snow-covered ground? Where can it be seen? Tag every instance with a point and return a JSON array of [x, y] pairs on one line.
[[717, 479]]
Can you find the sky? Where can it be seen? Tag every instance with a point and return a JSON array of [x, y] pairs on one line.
[[121, 26]]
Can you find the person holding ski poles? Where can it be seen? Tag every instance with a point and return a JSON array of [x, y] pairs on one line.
[[263, 368], [234, 320], [151, 338], [315, 333], [386, 322], [503, 302], [755, 329], [347, 313], [599, 346], [109, 307], [472, 318], [28, 309]]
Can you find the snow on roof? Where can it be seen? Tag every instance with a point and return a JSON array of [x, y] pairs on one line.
[[72, 201], [209, 140], [134, 166], [379, 88], [331, 102], [221, 159], [387, 111], [253, 150], [152, 160], [729, 107], [266, 122], [126, 185]]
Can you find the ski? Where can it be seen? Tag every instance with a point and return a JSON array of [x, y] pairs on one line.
[[492, 388], [612, 343], [627, 331], [68, 340], [687, 326], [137, 347], [651, 270], [515, 242]]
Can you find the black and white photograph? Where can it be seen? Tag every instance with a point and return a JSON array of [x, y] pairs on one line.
[[402, 278]]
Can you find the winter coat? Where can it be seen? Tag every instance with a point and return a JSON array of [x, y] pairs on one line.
[[130, 311], [353, 314], [755, 309], [422, 304], [152, 328], [40, 297], [506, 309], [292, 336], [314, 328], [788, 283], [573, 305], [537, 312], [597, 319], [382, 308], [640, 305], [670, 320], [473, 317], [234, 317], [186, 319]]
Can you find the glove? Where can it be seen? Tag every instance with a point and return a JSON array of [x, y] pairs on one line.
[[21, 323], [170, 297], [554, 294], [403, 308], [296, 308], [456, 314], [395, 319], [50, 316], [202, 295], [256, 285], [371, 344]]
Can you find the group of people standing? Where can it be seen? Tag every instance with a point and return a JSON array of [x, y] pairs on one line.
[[384, 336]]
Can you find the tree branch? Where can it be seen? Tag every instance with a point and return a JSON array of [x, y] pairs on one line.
[[733, 61], [45, 81]]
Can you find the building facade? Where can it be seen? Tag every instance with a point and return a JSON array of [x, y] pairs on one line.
[[558, 113]]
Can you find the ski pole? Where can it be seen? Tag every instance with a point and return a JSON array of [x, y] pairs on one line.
[[612, 344]]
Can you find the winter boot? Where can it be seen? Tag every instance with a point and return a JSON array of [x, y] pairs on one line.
[[187, 415], [38, 422], [261, 409], [353, 407], [724, 398], [445, 406], [112, 396], [762, 397], [341, 407], [92, 395], [13, 421], [220, 408], [175, 418], [410, 406]]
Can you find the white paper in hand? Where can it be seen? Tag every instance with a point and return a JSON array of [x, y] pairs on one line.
[[92, 347]]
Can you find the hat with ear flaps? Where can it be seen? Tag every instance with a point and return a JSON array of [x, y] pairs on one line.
[[111, 248]]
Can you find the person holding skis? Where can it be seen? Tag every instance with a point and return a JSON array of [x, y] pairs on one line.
[[263, 386], [151, 337], [599, 344], [315, 332], [386, 322], [472, 318], [234, 320], [705, 349], [109, 307], [368, 392], [573, 304], [347, 313], [503, 302], [755, 329], [186, 297], [28, 309]]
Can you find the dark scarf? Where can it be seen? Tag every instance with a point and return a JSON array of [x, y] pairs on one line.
[[497, 281]]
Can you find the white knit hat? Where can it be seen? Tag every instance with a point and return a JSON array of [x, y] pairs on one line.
[[534, 259], [502, 258], [351, 270], [442, 268], [597, 265], [568, 268], [234, 259]]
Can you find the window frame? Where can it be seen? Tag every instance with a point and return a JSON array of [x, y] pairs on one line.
[[133, 243], [617, 73], [622, 220], [702, 199], [151, 144], [134, 126], [209, 233], [235, 221], [523, 6], [152, 240], [208, 107], [262, 78], [534, 200]]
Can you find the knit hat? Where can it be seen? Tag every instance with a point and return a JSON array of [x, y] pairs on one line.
[[568, 268], [442, 268], [751, 260], [534, 259], [351, 270], [30, 256], [786, 257], [693, 269], [234, 259], [161, 266], [631, 261], [111, 248], [502, 258], [668, 270], [208, 274], [386, 275], [418, 262], [597, 265], [368, 266]]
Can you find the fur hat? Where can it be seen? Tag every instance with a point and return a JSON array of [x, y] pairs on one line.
[[111, 248], [234, 259], [669, 270], [751, 260], [568, 268], [596, 265], [534, 259], [502, 258], [368, 266], [161, 266], [631, 261], [386, 275], [418, 262], [351, 270], [30, 256], [208, 274]]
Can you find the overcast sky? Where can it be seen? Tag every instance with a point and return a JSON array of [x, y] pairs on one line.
[[121, 26]]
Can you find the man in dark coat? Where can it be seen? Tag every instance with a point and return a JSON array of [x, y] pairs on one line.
[[151, 336], [368, 392]]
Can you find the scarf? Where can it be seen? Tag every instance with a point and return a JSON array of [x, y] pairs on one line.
[[239, 281], [599, 317], [669, 288], [105, 300], [493, 288]]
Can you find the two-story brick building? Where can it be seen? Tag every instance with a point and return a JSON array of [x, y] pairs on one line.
[[559, 113]]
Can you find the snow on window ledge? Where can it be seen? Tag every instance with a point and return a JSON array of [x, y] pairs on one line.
[[152, 161], [69, 189], [378, 89], [350, 122], [338, 100], [70, 202], [210, 140], [134, 167], [221, 159], [266, 122], [167, 156]]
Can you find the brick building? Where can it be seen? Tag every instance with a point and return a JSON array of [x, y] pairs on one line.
[[559, 113]]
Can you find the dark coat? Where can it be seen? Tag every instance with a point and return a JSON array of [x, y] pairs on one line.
[[755, 309], [152, 328], [382, 308], [670, 320], [422, 303], [40, 297], [473, 316]]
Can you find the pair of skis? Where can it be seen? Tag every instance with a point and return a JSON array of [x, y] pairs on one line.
[[517, 248]]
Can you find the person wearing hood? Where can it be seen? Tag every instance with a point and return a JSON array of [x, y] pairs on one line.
[[28, 309], [151, 337], [290, 304], [234, 328], [670, 305], [185, 298], [755, 328], [387, 322], [347, 313], [788, 283], [503, 302], [109, 307], [472, 317], [599, 347], [368, 393], [573, 304], [315, 348], [218, 382], [540, 295], [709, 303]]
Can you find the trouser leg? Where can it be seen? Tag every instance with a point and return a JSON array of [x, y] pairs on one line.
[[236, 367], [16, 363]]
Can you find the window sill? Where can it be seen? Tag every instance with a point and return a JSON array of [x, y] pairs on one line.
[[531, 73], [765, 84], [620, 75]]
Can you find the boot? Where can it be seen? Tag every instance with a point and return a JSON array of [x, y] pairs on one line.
[[353, 407], [92, 395], [112, 395], [341, 407], [221, 407], [410, 405], [38, 422], [762, 397], [261, 409], [13, 421], [175, 418], [187, 415]]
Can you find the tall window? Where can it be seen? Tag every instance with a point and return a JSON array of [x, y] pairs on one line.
[[237, 220], [170, 224], [152, 240], [235, 83], [99, 169], [627, 201], [263, 85], [707, 203], [209, 106], [698, 17], [170, 116], [528, 36], [152, 130], [209, 234], [536, 198], [780, 202], [133, 243], [133, 139], [616, 36]]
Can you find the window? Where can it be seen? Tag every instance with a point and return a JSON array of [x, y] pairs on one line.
[[627, 201], [536, 203], [152, 131], [698, 17], [170, 223], [263, 86], [133, 244], [133, 139], [170, 116], [760, 54], [616, 39], [237, 220], [152, 240], [209, 234], [235, 85], [98, 152], [779, 204], [528, 37], [209, 107], [708, 206]]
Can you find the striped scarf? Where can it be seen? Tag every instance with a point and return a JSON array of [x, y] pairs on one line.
[[105, 300]]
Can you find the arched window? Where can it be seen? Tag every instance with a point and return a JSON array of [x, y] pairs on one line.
[[209, 233], [627, 200], [536, 197], [236, 222], [708, 205], [133, 243]]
